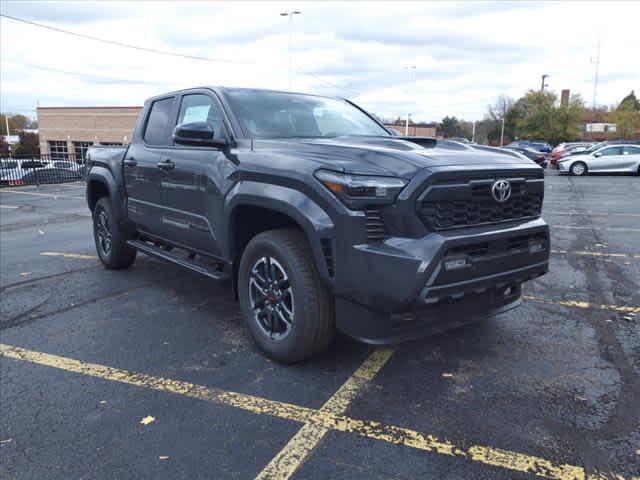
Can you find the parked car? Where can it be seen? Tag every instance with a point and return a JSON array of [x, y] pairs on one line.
[[321, 218], [536, 145], [610, 158], [535, 155]]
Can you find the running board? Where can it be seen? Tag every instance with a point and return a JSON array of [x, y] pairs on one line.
[[211, 271]]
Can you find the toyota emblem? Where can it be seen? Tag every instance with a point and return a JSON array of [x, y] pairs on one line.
[[501, 190]]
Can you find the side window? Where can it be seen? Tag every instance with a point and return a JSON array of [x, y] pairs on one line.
[[202, 108], [632, 150], [157, 130], [611, 151]]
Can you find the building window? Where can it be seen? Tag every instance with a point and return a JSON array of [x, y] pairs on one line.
[[58, 149], [80, 149]]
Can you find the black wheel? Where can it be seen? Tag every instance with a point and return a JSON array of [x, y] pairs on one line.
[[111, 243], [578, 169], [286, 307]]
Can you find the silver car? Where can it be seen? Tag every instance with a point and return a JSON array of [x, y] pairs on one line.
[[618, 158]]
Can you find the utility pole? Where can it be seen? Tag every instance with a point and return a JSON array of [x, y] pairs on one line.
[[290, 14], [412, 79], [596, 61], [504, 113], [473, 133], [542, 85], [6, 121]]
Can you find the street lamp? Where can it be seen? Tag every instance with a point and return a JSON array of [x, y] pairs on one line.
[[542, 85], [290, 14], [412, 78]]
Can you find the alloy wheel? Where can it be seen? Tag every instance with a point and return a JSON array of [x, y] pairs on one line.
[[271, 298]]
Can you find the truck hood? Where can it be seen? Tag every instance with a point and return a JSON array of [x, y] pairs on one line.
[[384, 155]]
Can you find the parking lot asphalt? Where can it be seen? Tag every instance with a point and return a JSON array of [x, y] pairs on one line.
[[148, 373]]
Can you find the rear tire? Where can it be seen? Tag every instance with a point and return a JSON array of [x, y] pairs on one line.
[[111, 243], [578, 169], [286, 306]]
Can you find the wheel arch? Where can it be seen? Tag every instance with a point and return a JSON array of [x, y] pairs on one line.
[[252, 208]]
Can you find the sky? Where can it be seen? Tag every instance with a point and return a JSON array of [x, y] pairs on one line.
[[465, 54]]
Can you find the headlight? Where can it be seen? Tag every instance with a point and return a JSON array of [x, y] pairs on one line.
[[357, 191]]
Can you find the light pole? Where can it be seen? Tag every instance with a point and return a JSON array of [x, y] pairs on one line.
[[290, 14], [412, 79], [504, 113], [542, 85]]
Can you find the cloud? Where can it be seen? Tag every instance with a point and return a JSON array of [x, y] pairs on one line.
[[466, 54]]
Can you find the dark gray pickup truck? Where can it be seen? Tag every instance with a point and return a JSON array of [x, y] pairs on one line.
[[319, 216]]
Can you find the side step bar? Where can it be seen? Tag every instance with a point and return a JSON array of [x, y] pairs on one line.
[[211, 271]]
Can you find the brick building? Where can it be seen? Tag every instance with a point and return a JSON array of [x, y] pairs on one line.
[[414, 130], [71, 130]]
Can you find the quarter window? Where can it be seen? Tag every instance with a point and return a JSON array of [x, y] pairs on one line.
[[202, 108], [157, 130], [80, 149]]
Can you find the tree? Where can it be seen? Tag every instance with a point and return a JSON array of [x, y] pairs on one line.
[[29, 144], [452, 127], [16, 123], [627, 117], [4, 147], [500, 109]]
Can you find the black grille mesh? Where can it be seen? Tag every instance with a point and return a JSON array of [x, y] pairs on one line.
[[442, 215]]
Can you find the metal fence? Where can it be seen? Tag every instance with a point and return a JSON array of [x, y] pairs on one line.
[[41, 169]]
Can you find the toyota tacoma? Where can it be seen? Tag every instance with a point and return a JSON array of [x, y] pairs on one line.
[[320, 218]]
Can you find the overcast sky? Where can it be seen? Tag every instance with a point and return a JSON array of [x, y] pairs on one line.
[[465, 54]]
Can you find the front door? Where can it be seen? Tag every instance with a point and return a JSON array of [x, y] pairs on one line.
[[607, 159], [191, 182], [141, 173]]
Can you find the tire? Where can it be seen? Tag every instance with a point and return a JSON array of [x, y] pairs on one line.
[[578, 169], [114, 253], [311, 326]]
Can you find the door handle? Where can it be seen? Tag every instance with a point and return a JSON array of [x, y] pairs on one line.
[[167, 164], [130, 162]]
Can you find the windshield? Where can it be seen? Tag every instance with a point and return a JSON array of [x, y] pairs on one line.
[[287, 115]]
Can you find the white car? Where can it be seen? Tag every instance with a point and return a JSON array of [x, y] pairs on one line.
[[618, 158]]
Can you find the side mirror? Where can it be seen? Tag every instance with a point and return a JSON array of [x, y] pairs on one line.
[[195, 133], [597, 154]]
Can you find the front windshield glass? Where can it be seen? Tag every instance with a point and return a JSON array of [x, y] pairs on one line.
[[287, 115]]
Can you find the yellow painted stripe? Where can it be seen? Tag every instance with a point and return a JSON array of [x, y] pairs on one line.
[[581, 304], [610, 229], [69, 255], [298, 449], [496, 457], [596, 254]]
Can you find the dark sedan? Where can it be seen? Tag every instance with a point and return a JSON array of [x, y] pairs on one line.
[[539, 157]]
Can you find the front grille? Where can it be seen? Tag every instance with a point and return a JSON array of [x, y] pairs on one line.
[[471, 204], [374, 225]]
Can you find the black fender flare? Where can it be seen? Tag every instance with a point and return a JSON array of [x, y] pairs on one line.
[[103, 175], [313, 219]]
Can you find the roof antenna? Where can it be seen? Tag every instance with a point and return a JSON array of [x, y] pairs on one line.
[[252, 144]]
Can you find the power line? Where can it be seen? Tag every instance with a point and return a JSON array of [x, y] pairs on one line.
[[154, 50], [122, 44]]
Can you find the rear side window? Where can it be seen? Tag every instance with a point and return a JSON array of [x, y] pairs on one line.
[[157, 130], [611, 151], [632, 150]]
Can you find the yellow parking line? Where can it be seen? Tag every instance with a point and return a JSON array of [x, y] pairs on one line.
[[69, 255], [595, 254], [48, 195], [610, 229], [296, 451], [581, 304], [496, 457]]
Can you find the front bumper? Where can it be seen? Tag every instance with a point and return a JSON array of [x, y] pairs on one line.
[[403, 288]]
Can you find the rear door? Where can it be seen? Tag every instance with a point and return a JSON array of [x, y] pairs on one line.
[[141, 171], [191, 185], [630, 158]]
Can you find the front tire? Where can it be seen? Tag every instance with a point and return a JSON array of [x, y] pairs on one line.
[[578, 169], [111, 243], [286, 307]]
